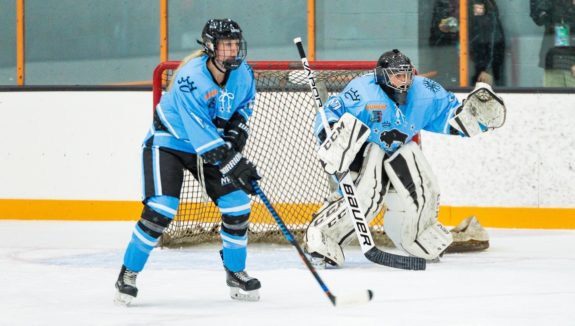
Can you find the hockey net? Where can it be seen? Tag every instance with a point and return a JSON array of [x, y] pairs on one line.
[[282, 146]]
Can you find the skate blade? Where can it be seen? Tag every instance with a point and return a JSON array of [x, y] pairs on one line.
[[238, 294], [317, 263], [122, 299]]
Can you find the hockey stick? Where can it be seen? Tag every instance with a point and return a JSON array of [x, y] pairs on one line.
[[348, 190], [348, 299]]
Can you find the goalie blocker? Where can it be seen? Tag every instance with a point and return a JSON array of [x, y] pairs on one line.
[[410, 192], [338, 151]]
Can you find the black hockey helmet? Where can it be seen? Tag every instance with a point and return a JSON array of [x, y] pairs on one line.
[[393, 63], [223, 29]]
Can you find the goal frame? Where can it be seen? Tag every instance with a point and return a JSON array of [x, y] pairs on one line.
[[159, 84]]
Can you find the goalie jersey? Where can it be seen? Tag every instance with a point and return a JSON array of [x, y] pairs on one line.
[[428, 107], [194, 111]]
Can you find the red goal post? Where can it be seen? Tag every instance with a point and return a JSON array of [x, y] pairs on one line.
[[282, 146]]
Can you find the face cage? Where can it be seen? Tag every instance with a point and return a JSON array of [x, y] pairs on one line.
[[230, 64], [402, 69]]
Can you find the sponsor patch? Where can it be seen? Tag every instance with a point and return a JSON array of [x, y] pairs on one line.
[[376, 106], [210, 94], [375, 116]]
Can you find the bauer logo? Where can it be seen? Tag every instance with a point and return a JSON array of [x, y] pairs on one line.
[[359, 218]]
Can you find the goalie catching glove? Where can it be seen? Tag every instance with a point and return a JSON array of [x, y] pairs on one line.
[[341, 146], [481, 111]]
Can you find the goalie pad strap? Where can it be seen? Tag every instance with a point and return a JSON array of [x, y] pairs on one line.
[[338, 151]]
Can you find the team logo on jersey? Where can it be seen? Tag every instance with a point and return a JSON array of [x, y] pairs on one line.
[[352, 94], [226, 99], [186, 85], [334, 103], [431, 85], [392, 136], [375, 116]]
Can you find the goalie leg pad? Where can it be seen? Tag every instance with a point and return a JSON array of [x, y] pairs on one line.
[[412, 205], [319, 245], [346, 139], [431, 242], [332, 221]]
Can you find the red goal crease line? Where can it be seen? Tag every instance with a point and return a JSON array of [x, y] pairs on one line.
[[103, 210]]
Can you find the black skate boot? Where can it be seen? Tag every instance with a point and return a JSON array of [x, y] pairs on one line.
[[242, 286], [126, 287]]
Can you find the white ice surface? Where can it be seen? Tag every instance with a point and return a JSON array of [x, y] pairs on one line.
[[63, 273]]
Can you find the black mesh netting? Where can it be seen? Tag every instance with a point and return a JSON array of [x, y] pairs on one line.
[[282, 145]]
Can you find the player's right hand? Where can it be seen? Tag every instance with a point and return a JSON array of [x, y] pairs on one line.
[[241, 172]]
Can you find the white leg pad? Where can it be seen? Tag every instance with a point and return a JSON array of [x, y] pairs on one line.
[[320, 245], [331, 226], [430, 243], [412, 204]]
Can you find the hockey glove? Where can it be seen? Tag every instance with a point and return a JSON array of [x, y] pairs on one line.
[[236, 132], [240, 170]]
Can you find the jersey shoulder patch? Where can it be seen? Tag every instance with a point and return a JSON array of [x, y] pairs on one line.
[[428, 86], [356, 93]]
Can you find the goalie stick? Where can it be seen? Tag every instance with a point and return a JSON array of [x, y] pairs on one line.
[[370, 251], [346, 299]]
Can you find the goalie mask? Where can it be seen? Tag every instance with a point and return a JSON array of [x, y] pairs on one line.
[[216, 37], [394, 73]]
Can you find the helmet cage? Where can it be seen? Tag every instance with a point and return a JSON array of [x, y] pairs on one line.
[[384, 77], [217, 30], [390, 64]]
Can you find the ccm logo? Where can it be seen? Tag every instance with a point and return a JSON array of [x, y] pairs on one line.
[[335, 132], [360, 224]]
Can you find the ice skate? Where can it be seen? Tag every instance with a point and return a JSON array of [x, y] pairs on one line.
[[242, 286], [318, 261], [126, 287]]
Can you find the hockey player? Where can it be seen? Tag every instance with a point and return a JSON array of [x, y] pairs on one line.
[[200, 125], [373, 121]]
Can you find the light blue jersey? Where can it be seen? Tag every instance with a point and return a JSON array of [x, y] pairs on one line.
[[428, 107], [195, 109]]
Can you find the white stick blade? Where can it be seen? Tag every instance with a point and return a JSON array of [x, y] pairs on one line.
[[297, 40], [353, 298]]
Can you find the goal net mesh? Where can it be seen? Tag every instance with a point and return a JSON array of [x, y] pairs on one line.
[[282, 146]]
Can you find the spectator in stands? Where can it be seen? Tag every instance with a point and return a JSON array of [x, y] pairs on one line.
[[486, 41], [444, 41], [557, 54]]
